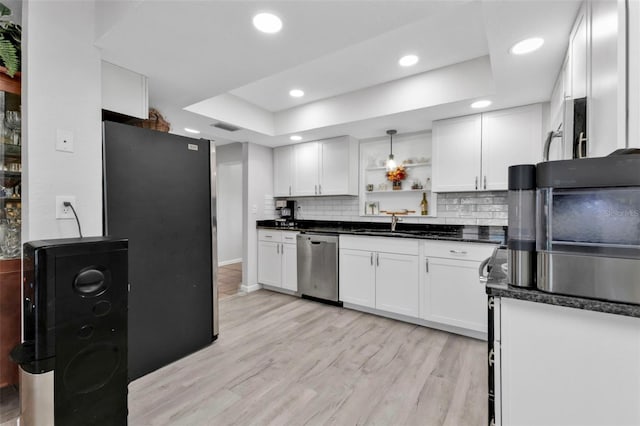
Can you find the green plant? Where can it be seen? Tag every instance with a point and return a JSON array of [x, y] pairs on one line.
[[10, 36]]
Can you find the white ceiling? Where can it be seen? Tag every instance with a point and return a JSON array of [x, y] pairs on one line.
[[207, 56]]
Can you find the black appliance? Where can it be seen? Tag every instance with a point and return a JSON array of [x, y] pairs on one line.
[[158, 191], [521, 239], [73, 359], [580, 138], [285, 212]]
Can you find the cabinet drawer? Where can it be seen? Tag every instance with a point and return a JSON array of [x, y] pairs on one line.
[[270, 235], [458, 250], [380, 244], [289, 237]]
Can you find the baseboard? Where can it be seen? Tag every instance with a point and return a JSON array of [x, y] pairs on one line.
[[418, 321], [250, 288], [229, 262], [280, 290]]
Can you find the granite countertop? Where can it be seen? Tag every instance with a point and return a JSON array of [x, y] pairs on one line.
[[497, 286], [461, 233]]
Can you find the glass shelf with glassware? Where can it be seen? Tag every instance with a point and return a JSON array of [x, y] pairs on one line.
[[10, 167]]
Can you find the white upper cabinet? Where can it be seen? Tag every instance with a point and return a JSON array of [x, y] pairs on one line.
[[282, 168], [578, 55], [474, 152], [337, 175], [456, 154], [511, 136], [124, 91], [325, 167], [305, 169]]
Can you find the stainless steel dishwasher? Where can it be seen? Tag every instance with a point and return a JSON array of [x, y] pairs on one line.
[[318, 267]]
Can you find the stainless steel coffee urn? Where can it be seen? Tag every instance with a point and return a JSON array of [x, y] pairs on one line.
[[521, 240]]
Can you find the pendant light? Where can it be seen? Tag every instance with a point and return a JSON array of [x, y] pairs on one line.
[[391, 163]]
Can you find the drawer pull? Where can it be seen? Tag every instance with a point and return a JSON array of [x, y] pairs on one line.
[[268, 236], [457, 252]]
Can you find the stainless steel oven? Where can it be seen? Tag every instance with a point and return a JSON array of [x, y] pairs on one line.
[[588, 227]]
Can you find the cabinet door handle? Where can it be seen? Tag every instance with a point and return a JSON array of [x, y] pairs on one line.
[[371, 259], [320, 189], [278, 248], [476, 182], [281, 248], [485, 182], [457, 252], [377, 259], [426, 265], [581, 140], [315, 189], [289, 189]]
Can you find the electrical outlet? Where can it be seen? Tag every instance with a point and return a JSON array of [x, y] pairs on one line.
[[63, 212]]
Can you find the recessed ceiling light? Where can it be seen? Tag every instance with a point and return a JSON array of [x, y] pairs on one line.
[[296, 93], [186, 129], [526, 46], [481, 104], [408, 60], [296, 138], [267, 23]]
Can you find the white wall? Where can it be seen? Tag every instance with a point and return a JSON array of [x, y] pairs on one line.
[[257, 185], [229, 190], [61, 90]]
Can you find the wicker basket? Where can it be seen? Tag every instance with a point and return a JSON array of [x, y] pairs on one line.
[[155, 121]]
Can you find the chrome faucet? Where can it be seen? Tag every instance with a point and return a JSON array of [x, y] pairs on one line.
[[394, 221]]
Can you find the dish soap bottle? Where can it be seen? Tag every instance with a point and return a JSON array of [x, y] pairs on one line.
[[424, 205]]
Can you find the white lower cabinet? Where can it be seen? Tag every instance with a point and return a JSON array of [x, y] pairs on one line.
[[451, 291], [357, 277], [397, 284], [277, 259], [566, 366], [380, 273], [269, 263]]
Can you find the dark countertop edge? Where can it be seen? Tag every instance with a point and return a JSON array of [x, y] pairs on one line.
[[534, 295], [432, 231]]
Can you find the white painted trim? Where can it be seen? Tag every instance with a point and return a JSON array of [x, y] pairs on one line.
[[451, 329], [250, 288], [280, 290], [229, 262]]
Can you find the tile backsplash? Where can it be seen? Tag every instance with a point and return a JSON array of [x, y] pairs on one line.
[[458, 208]]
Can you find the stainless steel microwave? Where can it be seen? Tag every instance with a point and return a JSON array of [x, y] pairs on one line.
[[588, 227]]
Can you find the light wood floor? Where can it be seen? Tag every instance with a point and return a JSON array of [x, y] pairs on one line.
[[229, 280], [282, 360]]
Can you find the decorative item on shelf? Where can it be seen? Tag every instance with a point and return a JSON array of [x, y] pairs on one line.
[[424, 205], [372, 208], [396, 176], [391, 163], [416, 185], [10, 233], [369, 187], [155, 122], [10, 42], [401, 212]]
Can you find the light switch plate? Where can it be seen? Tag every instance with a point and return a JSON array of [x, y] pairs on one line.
[[64, 140]]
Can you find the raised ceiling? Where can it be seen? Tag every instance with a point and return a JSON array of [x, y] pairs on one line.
[[206, 62]]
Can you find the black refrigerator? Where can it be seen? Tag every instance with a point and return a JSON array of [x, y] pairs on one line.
[[159, 192]]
